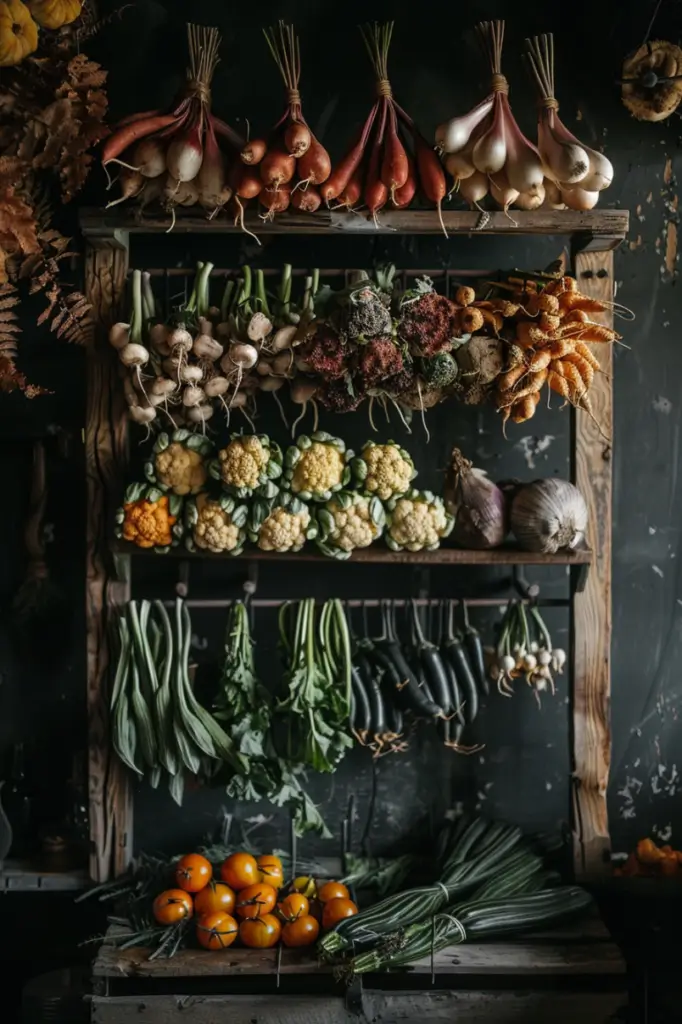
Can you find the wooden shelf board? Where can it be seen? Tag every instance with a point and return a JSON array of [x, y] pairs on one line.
[[378, 556], [18, 876], [609, 225], [576, 949]]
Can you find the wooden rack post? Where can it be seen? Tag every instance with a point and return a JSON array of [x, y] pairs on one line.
[[106, 267], [594, 234]]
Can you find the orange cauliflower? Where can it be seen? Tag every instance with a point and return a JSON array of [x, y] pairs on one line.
[[149, 519]]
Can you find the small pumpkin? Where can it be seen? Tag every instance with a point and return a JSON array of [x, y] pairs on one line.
[[18, 32], [55, 13]]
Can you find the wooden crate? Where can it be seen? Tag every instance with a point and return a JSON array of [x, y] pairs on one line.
[[568, 975]]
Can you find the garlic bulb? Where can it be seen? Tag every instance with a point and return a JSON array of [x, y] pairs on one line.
[[549, 516], [478, 505]]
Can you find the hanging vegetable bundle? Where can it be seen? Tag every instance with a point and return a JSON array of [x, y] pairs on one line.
[[175, 157], [390, 158], [485, 150], [574, 174], [287, 168], [524, 651]]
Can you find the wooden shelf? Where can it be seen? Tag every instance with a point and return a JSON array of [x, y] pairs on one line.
[[379, 556], [608, 226], [18, 876], [584, 947]]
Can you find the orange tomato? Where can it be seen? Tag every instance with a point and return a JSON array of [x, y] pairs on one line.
[[216, 931], [256, 900], [337, 910], [301, 932], [271, 870], [172, 906], [332, 891], [215, 898], [193, 872], [260, 932], [293, 906], [239, 870], [316, 909]]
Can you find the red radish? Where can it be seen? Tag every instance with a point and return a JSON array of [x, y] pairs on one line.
[[149, 157], [344, 171], [314, 166], [249, 184], [185, 154], [402, 197], [275, 200], [297, 138], [277, 168], [253, 152], [210, 181], [120, 140], [353, 190], [431, 176], [307, 200], [131, 182], [394, 168], [376, 193]]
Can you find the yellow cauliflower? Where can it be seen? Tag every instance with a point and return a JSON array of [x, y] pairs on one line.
[[216, 526], [249, 464], [384, 470], [349, 521], [179, 462], [317, 466], [286, 527], [417, 521]]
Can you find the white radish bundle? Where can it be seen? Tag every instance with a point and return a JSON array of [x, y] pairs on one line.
[[485, 150], [175, 157], [580, 173]]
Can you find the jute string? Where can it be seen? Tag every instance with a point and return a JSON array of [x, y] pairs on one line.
[[500, 84], [384, 88]]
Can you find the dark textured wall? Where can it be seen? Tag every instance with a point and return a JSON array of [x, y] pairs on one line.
[[436, 71]]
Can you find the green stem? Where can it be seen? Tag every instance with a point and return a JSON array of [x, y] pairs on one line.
[[192, 301], [226, 303], [203, 300], [260, 294], [285, 290], [137, 317]]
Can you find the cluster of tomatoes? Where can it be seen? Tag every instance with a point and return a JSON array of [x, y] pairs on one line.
[[250, 901]]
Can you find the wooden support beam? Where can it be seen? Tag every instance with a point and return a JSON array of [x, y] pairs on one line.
[[591, 619], [106, 266]]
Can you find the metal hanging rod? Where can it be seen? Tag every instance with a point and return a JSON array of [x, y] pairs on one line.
[[420, 602]]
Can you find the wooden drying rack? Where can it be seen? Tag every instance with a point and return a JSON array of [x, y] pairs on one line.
[[594, 236]]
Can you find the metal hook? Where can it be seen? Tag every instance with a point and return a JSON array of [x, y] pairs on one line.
[[182, 586], [526, 591]]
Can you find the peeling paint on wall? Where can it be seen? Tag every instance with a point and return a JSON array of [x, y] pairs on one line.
[[532, 446]]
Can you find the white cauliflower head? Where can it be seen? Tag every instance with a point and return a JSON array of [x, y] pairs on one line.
[[417, 521], [349, 521], [216, 526], [249, 463], [317, 466], [384, 470], [285, 529], [179, 462]]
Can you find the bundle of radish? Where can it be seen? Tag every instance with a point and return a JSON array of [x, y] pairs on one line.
[[175, 157], [485, 150], [287, 168], [381, 168], [574, 174]]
